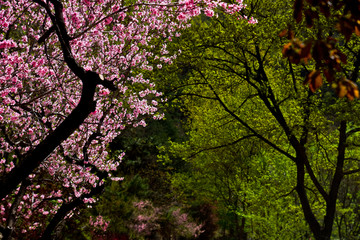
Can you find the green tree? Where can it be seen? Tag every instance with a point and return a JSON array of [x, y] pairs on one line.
[[241, 94]]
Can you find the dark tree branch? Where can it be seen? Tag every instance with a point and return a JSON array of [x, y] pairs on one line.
[[33, 158], [351, 171], [300, 188], [293, 76], [287, 194], [315, 180], [223, 145], [46, 34], [352, 131], [193, 95], [335, 184]]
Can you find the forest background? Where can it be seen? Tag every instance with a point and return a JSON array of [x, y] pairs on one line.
[[260, 138]]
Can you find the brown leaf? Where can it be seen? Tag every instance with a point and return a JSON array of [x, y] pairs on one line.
[[347, 88], [356, 93], [306, 52], [286, 49], [357, 31], [346, 27], [283, 33], [329, 74], [314, 80], [343, 57], [320, 51], [353, 91], [341, 90], [311, 2], [298, 7]]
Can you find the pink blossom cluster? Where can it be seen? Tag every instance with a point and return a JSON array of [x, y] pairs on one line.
[[149, 219], [146, 218], [182, 219], [99, 223], [7, 44], [38, 90]]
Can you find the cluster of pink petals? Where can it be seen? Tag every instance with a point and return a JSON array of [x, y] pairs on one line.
[[99, 222], [148, 219], [38, 90], [7, 44]]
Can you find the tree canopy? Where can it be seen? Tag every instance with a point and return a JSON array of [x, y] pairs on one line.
[[68, 88], [261, 142]]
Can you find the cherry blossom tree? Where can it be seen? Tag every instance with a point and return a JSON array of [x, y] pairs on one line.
[[68, 86]]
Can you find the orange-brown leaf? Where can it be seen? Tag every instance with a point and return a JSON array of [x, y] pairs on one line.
[[341, 90], [353, 91], [286, 49], [283, 33], [356, 93], [347, 88], [357, 31], [314, 80]]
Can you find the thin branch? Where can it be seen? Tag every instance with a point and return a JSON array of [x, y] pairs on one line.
[[194, 94], [287, 194], [352, 131], [293, 76], [224, 145], [351, 171], [315, 180]]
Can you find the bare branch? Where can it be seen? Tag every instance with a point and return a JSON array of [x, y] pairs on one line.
[[352, 131], [287, 194], [224, 145], [351, 172]]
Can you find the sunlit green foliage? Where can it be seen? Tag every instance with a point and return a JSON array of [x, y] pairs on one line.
[[250, 120]]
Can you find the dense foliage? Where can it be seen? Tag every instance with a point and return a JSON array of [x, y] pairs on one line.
[[67, 89], [278, 159], [254, 143]]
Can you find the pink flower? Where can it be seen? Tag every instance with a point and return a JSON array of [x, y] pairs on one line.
[[209, 12], [182, 17], [7, 44], [252, 21], [104, 92], [108, 20]]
